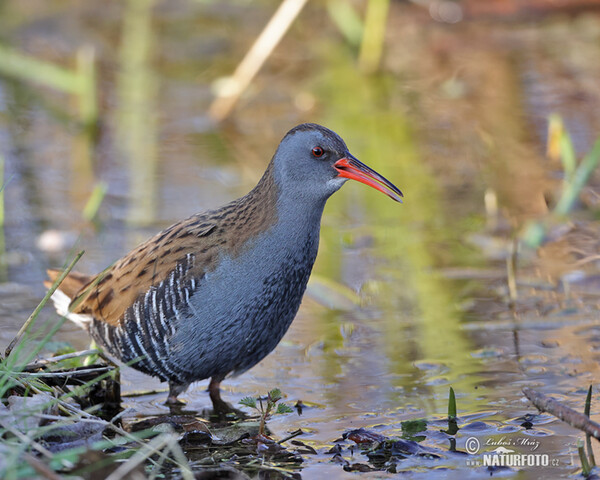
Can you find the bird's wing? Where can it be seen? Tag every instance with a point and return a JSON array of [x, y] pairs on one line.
[[107, 295]]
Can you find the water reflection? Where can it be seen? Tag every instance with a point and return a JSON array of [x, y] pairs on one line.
[[137, 112], [418, 318]]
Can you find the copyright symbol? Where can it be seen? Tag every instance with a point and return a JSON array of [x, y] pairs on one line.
[[472, 445]]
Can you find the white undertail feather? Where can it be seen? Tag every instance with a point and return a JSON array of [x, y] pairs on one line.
[[62, 302]]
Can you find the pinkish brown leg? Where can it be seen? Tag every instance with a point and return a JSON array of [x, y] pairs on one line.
[[214, 391], [175, 390], [220, 406]]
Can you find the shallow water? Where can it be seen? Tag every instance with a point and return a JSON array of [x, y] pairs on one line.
[[420, 298]]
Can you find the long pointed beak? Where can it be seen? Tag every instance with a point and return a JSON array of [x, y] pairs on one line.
[[350, 167]]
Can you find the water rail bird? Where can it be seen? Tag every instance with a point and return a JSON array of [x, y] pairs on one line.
[[215, 293]]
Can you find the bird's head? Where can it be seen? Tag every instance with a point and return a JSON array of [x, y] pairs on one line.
[[313, 162]]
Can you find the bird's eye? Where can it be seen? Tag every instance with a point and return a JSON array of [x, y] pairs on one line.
[[318, 152]]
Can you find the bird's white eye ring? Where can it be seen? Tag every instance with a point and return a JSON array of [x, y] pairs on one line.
[[318, 152]]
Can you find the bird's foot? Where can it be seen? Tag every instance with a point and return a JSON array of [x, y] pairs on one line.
[[226, 411], [221, 408], [173, 401], [175, 389]]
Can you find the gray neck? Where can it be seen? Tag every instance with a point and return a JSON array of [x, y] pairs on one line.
[[299, 209], [299, 220]]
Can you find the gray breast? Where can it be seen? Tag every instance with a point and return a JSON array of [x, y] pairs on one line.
[[241, 310]]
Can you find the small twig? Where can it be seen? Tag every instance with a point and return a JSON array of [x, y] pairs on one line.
[[67, 356], [566, 414], [70, 374], [583, 261], [120, 415], [59, 418], [41, 305], [294, 434]]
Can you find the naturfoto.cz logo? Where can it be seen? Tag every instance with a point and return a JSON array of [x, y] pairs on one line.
[[504, 456]]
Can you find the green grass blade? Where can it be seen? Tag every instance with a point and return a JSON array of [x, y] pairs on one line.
[[19, 66], [93, 204], [568, 156], [588, 437], [347, 20], [451, 404], [579, 180], [31, 320], [585, 466]]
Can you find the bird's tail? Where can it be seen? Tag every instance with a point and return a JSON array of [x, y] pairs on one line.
[[68, 290]]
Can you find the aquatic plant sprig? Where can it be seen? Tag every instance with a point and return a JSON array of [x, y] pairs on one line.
[[452, 416], [268, 408], [590, 460]]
